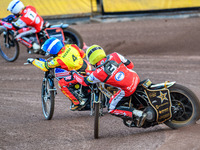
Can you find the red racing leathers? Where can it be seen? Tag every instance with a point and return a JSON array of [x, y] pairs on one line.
[[114, 70], [29, 22]]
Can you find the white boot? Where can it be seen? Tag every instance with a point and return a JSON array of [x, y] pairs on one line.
[[36, 47], [140, 117], [83, 101], [137, 113]]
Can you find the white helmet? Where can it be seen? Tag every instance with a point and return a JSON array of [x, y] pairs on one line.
[[15, 6]]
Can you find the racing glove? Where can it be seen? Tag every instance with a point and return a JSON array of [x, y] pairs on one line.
[[72, 72], [30, 60]]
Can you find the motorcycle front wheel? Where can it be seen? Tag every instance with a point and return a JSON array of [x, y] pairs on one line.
[[9, 50], [47, 100], [73, 37], [185, 107], [96, 120]]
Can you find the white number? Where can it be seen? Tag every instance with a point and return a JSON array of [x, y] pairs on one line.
[[112, 68], [31, 15]]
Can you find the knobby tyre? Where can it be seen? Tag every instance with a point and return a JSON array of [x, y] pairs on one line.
[[47, 100], [73, 37], [96, 120], [187, 105], [10, 52]]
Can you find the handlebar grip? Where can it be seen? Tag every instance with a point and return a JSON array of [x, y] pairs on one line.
[[26, 63]]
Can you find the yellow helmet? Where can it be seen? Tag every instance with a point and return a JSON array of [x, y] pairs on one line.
[[94, 54]]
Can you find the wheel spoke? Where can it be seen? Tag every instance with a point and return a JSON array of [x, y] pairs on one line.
[[173, 97], [187, 114], [181, 118], [9, 51], [47, 100], [188, 108], [183, 106], [183, 99]]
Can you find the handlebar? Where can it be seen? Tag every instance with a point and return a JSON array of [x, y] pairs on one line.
[[26, 63]]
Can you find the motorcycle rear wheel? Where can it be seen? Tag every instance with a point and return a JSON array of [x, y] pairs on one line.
[[9, 52], [47, 100], [187, 105], [73, 37]]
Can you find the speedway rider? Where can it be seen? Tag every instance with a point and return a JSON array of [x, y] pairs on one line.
[[117, 71], [28, 22], [68, 57]]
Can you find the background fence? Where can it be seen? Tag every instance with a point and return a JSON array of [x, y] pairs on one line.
[[55, 8], [66, 8], [110, 6]]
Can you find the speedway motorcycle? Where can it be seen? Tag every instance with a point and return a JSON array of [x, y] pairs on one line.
[[9, 46], [170, 103], [94, 100]]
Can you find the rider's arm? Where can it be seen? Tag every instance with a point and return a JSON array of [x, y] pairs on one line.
[[9, 18], [7, 25], [14, 25], [85, 81], [19, 24], [6, 22], [128, 63], [45, 65]]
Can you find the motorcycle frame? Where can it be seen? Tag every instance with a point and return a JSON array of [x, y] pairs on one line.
[[26, 43]]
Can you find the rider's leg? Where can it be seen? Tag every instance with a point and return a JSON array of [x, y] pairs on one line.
[[28, 31], [116, 109], [115, 101], [66, 86]]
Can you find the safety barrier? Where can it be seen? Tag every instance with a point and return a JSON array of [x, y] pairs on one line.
[[110, 6], [55, 8]]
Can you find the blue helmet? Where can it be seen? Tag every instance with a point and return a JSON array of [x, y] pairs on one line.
[[52, 46]]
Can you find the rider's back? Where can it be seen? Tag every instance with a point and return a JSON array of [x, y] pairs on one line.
[[70, 57], [31, 18]]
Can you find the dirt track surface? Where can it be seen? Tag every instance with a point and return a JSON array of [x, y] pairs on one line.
[[162, 50]]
